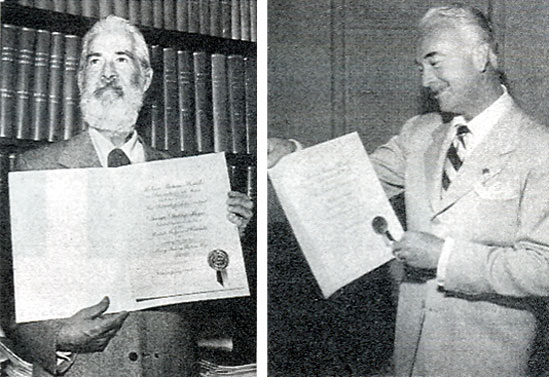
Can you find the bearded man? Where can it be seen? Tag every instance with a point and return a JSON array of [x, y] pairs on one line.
[[113, 76]]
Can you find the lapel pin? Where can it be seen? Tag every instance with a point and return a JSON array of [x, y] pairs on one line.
[[485, 171]]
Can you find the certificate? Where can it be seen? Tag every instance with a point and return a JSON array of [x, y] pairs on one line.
[[331, 195], [145, 235]]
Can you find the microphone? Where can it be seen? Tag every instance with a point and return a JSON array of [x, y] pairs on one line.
[[380, 226]]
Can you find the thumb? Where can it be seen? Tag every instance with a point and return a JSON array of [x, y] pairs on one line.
[[95, 310]]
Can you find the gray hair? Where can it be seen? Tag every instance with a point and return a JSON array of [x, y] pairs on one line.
[[115, 24], [467, 19]]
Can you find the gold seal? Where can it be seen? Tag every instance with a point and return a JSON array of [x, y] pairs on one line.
[[218, 259]]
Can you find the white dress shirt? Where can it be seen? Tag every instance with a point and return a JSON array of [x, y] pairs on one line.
[[132, 147]]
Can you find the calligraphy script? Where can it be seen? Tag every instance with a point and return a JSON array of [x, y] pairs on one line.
[[330, 194], [140, 234]]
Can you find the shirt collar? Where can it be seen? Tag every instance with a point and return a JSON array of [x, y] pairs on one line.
[[132, 147], [483, 123]]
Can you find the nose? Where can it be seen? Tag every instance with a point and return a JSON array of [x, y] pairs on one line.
[[108, 74]]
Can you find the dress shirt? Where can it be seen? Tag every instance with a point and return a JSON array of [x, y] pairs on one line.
[[479, 127], [132, 147]]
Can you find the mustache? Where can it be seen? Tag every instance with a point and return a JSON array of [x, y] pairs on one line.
[[109, 86]]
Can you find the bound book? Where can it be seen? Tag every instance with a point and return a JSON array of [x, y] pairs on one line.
[[74, 7], [134, 12], [186, 102], [106, 7], [70, 90], [204, 17], [237, 107], [157, 99], [158, 14], [7, 79], [235, 19], [170, 14], [170, 93], [215, 18], [245, 20], [226, 16], [220, 104], [146, 13], [55, 86], [253, 21], [39, 101], [90, 8], [120, 8], [250, 102], [182, 16], [203, 102], [25, 60], [193, 16]]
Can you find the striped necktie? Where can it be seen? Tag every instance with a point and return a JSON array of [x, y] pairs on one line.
[[455, 156]]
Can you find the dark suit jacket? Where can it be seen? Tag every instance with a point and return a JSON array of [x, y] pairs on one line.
[[155, 342]]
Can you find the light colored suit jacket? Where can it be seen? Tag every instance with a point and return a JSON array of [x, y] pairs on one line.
[[156, 342], [479, 323]]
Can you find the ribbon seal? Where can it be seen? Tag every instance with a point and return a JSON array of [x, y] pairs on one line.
[[218, 260]]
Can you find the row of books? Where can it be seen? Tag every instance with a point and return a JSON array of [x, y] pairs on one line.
[[198, 102], [233, 19]]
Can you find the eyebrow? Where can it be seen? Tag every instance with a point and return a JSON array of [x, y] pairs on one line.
[[124, 52], [427, 56]]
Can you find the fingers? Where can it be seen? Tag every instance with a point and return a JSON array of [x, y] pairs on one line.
[[95, 310], [239, 208], [278, 148], [238, 198]]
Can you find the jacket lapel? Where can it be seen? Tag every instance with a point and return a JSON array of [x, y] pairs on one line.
[[485, 161], [79, 152]]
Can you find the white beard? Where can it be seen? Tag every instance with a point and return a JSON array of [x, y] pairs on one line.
[[111, 110]]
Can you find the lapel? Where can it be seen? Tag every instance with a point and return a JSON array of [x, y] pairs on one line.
[[434, 158], [79, 152], [150, 153], [485, 162]]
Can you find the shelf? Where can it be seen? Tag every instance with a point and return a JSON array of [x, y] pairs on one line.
[[37, 18]]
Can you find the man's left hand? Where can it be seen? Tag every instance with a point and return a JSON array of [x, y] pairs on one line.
[[418, 249], [239, 209]]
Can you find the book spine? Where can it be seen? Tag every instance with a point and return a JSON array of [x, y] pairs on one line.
[[60, 6], [25, 57], [74, 7], [215, 18], [170, 14], [237, 176], [186, 99], [134, 12], [55, 84], [245, 20], [225, 7], [120, 8], [204, 17], [170, 92], [203, 102], [193, 16], [237, 107], [235, 19], [220, 106], [157, 105], [146, 13], [182, 18], [90, 8], [158, 16], [39, 102], [253, 21], [7, 83], [70, 90], [26, 3], [250, 86], [44, 4], [106, 7]]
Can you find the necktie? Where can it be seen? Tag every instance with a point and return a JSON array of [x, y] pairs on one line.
[[117, 158], [455, 156]]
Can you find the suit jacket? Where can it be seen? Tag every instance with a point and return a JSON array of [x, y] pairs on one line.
[[156, 342], [479, 323]]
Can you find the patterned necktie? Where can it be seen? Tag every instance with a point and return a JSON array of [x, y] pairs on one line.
[[455, 156], [117, 158]]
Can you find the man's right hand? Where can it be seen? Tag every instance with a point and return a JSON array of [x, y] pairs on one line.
[[277, 148], [90, 330]]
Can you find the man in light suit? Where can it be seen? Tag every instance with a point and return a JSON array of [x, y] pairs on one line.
[[113, 76], [476, 195]]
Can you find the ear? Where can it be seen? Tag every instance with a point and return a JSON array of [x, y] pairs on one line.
[[148, 77], [480, 57]]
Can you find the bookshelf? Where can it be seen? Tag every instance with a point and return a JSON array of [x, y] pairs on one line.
[[184, 36]]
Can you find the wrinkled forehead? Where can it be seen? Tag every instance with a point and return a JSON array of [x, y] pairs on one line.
[[111, 42]]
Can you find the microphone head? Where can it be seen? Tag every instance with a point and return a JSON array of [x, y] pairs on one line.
[[380, 225]]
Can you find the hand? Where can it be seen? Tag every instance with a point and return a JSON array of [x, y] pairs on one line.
[[89, 330], [239, 209], [418, 249], [278, 148]]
